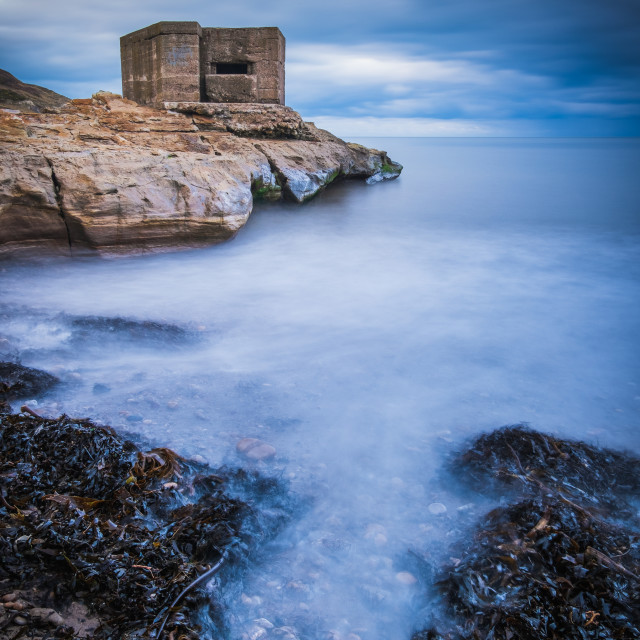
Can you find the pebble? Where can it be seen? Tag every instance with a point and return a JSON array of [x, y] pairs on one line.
[[264, 623], [172, 404], [404, 577], [20, 621], [9, 597], [251, 601], [437, 508], [254, 633], [47, 615], [255, 449], [285, 633]]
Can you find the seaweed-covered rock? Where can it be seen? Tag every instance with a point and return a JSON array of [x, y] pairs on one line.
[[562, 562], [523, 459], [86, 514]]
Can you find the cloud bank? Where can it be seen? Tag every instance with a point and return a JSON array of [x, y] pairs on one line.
[[427, 67]]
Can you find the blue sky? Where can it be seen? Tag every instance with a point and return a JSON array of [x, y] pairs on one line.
[[367, 67]]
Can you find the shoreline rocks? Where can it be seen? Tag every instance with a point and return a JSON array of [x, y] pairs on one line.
[[105, 175]]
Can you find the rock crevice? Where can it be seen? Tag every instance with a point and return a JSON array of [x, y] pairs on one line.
[[59, 202]]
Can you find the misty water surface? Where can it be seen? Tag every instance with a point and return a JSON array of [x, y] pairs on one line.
[[365, 335]]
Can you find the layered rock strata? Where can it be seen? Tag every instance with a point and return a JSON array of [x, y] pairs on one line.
[[105, 174]]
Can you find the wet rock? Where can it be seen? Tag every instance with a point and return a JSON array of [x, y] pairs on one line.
[[18, 381], [86, 329], [255, 449]]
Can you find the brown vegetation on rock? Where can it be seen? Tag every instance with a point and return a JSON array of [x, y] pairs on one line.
[[562, 562], [89, 520]]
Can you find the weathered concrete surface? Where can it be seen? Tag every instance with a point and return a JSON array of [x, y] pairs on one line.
[[184, 61], [105, 174]]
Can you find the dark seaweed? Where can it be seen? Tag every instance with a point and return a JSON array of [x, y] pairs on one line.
[[527, 460], [560, 563], [86, 514]]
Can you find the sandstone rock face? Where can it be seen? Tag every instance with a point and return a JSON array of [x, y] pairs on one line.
[[105, 174]]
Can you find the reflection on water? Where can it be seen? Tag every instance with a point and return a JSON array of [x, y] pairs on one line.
[[364, 335]]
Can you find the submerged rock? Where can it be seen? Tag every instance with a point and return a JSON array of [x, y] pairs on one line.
[[18, 381], [108, 175]]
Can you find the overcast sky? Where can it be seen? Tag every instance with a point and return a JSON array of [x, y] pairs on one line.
[[373, 67]]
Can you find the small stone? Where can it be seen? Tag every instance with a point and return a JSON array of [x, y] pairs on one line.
[[20, 621], [437, 508], [255, 449], [264, 623], [254, 633], [9, 597], [46, 615], [199, 459], [404, 577], [172, 404], [285, 633]]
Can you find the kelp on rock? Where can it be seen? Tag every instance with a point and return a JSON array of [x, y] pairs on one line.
[[87, 517]]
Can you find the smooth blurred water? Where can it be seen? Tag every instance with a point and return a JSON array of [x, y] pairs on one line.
[[365, 335]]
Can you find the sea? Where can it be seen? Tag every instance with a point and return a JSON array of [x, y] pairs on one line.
[[367, 336]]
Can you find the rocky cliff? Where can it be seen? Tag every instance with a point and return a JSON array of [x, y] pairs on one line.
[[105, 174], [15, 94]]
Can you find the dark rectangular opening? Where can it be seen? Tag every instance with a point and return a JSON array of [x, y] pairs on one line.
[[232, 68]]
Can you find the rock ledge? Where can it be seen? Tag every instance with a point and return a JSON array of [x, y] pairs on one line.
[[107, 175]]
